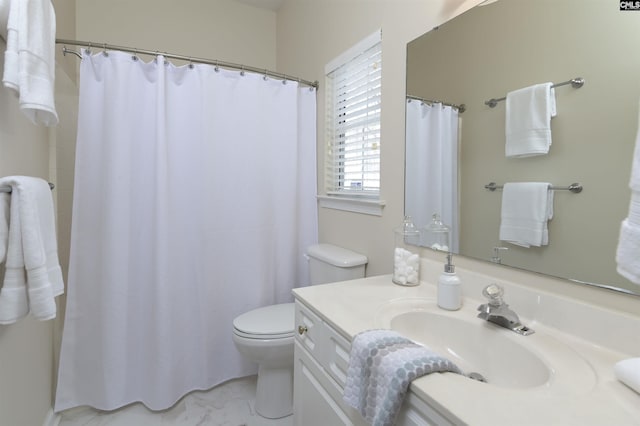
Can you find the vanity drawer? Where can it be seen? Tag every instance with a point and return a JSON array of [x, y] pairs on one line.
[[317, 399], [308, 329], [328, 347], [337, 355]]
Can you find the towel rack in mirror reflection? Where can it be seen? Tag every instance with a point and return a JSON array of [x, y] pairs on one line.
[[460, 107], [575, 187], [8, 188], [576, 83]]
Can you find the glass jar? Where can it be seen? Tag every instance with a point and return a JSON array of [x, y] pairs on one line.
[[406, 258], [437, 235]]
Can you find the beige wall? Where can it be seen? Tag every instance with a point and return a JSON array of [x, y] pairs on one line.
[[219, 29], [313, 32], [66, 29]]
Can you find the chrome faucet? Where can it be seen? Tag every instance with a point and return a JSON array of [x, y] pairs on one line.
[[498, 312]]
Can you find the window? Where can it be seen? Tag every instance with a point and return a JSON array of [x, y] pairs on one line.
[[352, 164]]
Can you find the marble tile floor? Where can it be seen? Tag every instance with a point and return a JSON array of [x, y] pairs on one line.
[[229, 404]]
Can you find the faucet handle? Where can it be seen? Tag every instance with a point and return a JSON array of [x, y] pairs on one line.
[[494, 293]]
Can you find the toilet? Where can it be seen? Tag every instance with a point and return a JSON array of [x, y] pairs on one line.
[[266, 335]]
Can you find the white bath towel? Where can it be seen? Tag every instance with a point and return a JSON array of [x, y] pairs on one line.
[[526, 209], [382, 364], [14, 303], [32, 250], [528, 120], [39, 242], [628, 372], [628, 251], [29, 67]]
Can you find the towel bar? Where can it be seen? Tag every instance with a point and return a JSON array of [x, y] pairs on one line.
[[8, 188], [576, 83], [575, 187]]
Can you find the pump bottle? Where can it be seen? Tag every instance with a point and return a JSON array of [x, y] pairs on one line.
[[449, 287]]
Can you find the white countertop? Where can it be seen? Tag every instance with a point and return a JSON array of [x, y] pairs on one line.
[[354, 306]]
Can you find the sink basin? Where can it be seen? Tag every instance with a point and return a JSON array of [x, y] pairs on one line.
[[475, 347], [500, 356]]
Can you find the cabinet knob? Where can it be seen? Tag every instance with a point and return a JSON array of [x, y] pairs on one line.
[[302, 329]]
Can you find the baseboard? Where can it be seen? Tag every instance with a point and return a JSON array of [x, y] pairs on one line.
[[52, 418]]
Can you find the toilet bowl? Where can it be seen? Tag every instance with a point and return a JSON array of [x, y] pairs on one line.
[[266, 335]]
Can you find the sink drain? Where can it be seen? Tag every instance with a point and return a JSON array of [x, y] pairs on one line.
[[477, 376]]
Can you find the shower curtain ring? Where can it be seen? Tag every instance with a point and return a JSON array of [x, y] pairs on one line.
[[135, 55], [284, 79], [266, 77], [104, 49], [242, 71], [217, 68], [190, 63]]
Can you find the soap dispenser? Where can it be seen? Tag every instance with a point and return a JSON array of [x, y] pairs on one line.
[[449, 287]]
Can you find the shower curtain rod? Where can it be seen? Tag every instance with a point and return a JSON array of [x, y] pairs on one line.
[[461, 108], [189, 59]]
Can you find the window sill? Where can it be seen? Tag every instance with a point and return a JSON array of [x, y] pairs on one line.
[[355, 205]]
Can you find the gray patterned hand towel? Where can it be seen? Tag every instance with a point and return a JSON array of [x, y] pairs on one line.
[[382, 364]]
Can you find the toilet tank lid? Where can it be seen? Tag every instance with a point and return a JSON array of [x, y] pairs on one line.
[[336, 256]]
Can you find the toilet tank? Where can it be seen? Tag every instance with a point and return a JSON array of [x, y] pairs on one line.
[[329, 263]]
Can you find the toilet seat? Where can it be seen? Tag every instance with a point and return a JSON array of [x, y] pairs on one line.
[[268, 322]]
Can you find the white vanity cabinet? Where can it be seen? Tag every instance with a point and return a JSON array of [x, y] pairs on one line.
[[320, 368]]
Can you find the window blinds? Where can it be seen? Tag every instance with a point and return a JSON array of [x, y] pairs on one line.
[[353, 125]]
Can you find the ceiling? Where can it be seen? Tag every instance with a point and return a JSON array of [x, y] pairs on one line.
[[264, 4]]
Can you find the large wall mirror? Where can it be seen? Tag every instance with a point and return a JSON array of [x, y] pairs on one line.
[[505, 45]]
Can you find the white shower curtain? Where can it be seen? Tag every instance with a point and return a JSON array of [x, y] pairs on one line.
[[432, 165], [194, 201]]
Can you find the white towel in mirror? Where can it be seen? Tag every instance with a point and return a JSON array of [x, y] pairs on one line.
[[528, 120], [628, 250], [526, 209]]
